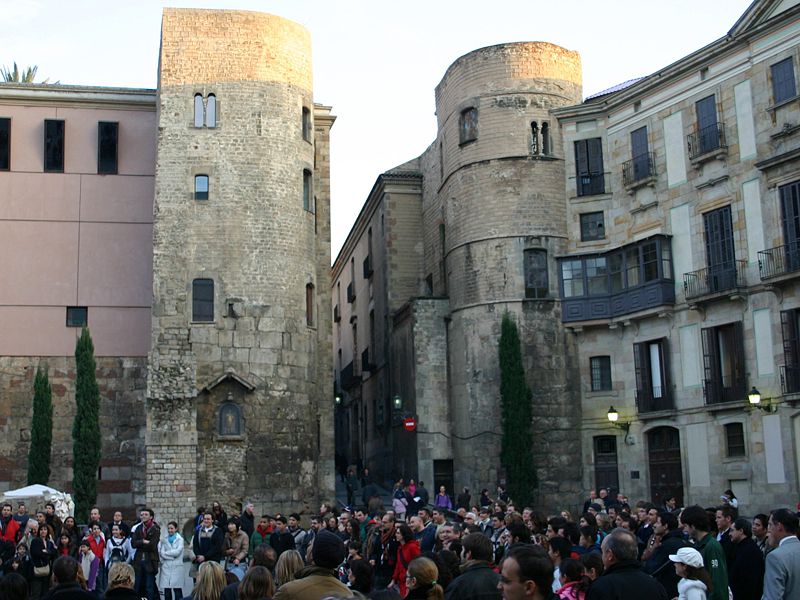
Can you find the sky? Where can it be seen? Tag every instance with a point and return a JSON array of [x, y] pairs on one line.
[[376, 62]]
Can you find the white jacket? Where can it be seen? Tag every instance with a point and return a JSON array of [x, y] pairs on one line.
[[170, 570], [691, 589]]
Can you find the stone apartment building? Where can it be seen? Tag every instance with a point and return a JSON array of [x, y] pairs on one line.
[[645, 241], [189, 228]]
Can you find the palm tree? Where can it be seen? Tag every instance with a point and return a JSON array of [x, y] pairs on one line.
[[15, 76]]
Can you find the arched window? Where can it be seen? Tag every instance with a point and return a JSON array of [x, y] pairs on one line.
[[198, 110], [310, 304], [211, 111], [203, 300], [201, 187], [308, 199], [545, 139], [230, 419], [534, 138]]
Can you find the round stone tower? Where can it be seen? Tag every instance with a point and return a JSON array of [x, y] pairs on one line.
[[237, 404], [501, 195]]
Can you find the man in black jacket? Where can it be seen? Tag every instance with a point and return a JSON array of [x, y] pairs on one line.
[[208, 541], [668, 540], [746, 572], [281, 539], [144, 539], [623, 578], [477, 580]]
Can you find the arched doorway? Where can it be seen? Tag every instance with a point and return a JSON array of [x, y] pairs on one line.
[[664, 458]]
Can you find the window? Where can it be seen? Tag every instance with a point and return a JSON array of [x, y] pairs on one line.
[[545, 139], [199, 110], [230, 419], [211, 111], [606, 470], [534, 138], [201, 187], [650, 361], [468, 125], [592, 226], [536, 280], [723, 363], [205, 111], [720, 254], [596, 275], [308, 198], [203, 300], [783, 83], [310, 304], [600, 368], [306, 124], [790, 330], [708, 137], [107, 144], [5, 144], [53, 146], [641, 166], [734, 440], [589, 167], [77, 316], [572, 278]]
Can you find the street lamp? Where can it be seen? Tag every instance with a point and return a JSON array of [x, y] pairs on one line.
[[397, 403], [613, 418], [754, 398]]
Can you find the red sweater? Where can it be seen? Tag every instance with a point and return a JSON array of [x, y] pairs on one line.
[[405, 554]]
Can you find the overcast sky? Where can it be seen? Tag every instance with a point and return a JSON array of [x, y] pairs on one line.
[[376, 62]]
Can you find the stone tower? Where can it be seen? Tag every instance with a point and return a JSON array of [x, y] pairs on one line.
[[238, 397], [495, 219]]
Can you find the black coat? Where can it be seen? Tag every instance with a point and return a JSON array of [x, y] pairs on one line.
[[623, 581], [211, 548], [146, 546], [69, 591], [661, 567], [746, 574], [281, 542], [122, 593], [477, 582]]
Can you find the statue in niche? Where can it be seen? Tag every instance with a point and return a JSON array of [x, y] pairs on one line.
[[230, 418]]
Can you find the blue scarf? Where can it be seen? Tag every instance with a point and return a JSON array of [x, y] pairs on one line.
[[172, 537]]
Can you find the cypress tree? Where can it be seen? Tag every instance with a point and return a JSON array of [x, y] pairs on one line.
[[41, 429], [516, 456], [85, 428]]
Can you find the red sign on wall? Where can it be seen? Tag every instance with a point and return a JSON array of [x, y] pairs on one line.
[[410, 423]]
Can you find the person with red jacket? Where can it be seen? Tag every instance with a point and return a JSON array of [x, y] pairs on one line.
[[9, 530], [409, 549]]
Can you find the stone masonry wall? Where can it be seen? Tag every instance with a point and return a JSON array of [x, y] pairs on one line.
[[122, 385]]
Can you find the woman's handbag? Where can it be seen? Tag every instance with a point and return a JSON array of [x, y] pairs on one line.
[[43, 571]]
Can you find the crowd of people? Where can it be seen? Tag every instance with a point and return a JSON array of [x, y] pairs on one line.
[[437, 549]]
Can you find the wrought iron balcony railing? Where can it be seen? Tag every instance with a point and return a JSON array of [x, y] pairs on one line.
[[778, 261], [718, 278], [706, 140], [716, 391], [655, 399], [790, 379], [639, 168]]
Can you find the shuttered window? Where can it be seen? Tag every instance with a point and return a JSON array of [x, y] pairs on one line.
[[589, 167], [783, 83]]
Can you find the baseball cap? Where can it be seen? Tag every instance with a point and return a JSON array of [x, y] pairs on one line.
[[687, 556]]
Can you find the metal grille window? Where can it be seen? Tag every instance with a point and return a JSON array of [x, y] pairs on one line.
[[203, 300], [734, 440], [107, 147], [600, 367], [53, 146], [5, 144], [592, 227], [589, 167], [77, 316], [201, 187], [468, 125], [783, 83], [536, 280]]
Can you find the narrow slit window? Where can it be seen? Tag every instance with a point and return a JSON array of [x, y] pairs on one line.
[[199, 110], [53, 146], [211, 111], [534, 138], [201, 187], [310, 304], [306, 124], [5, 144], [308, 199], [107, 147], [545, 139]]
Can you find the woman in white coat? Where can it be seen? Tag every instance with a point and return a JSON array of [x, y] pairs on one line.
[[170, 570]]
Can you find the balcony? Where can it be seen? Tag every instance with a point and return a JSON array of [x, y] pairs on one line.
[[779, 261], [653, 400], [707, 143], [717, 391], [590, 185], [367, 266], [351, 293], [726, 277], [639, 171], [790, 379]]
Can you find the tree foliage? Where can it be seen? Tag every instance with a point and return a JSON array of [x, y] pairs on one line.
[[516, 456], [85, 428], [41, 429], [16, 76]]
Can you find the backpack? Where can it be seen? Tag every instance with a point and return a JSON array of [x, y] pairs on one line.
[[117, 553]]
